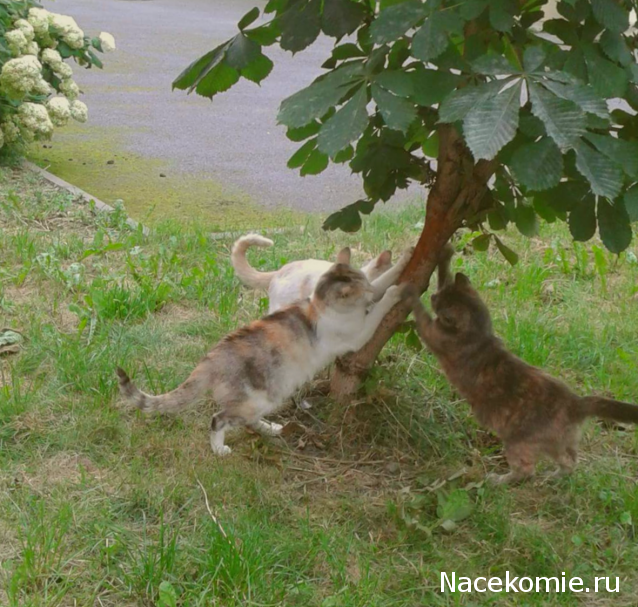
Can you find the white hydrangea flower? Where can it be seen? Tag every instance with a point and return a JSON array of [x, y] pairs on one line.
[[26, 28], [69, 30], [79, 111], [69, 89], [107, 41], [59, 110], [64, 71], [32, 49], [10, 130], [19, 76], [39, 20], [75, 39], [51, 57], [42, 87], [16, 41], [34, 118]]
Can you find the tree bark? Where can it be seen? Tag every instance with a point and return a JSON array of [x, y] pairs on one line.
[[458, 190]]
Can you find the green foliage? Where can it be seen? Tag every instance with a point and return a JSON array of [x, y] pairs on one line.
[[529, 95], [167, 595]]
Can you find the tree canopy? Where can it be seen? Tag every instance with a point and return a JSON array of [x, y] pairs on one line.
[[545, 105]]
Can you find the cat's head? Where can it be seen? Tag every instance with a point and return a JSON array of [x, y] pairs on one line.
[[378, 265], [343, 287], [460, 309]]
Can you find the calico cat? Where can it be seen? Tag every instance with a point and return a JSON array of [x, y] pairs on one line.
[[252, 371], [296, 280], [533, 413]]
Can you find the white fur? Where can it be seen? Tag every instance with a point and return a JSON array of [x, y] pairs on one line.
[[293, 281], [298, 280]]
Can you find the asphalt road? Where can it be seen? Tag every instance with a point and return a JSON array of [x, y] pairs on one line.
[[234, 140]]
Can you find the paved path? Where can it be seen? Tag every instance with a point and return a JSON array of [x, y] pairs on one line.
[[234, 140]]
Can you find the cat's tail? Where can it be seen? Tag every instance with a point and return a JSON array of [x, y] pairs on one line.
[[246, 273], [171, 402], [597, 406]]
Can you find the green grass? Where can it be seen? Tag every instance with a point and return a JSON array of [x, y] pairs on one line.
[[102, 506]]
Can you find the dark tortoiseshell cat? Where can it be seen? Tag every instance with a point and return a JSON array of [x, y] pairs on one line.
[[533, 413]]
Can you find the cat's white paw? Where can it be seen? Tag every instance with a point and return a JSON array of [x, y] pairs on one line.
[[268, 428], [394, 294], [275, 429], [222, 451]]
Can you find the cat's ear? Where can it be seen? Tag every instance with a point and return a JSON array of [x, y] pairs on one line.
[[462, 281], [385, 259], [344, 256]]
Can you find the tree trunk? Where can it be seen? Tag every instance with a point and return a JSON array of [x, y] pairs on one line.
[[457, 193]]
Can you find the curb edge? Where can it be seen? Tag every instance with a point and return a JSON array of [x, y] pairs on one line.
[[80, 193]]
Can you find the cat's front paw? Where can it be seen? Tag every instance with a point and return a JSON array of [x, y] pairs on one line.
[[393, 294], [405, 257], [271, 428], [398, 293], [222, 451], [276, 428]]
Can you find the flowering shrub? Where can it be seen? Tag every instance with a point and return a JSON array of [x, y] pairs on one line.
[[37, 90]]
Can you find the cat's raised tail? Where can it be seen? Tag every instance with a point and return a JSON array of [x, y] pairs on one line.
[[171, 402], [607, 408], [246, 273]]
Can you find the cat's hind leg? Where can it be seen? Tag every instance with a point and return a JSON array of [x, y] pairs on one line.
[[521, 458], [222, 421], [566, 461]]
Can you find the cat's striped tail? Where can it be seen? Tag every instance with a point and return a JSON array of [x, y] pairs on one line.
[[597, 406], [171, 402], [246, 273]]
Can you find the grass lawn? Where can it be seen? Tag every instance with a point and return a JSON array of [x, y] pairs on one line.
[[101, 506]]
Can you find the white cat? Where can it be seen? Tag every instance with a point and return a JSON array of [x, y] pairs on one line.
[[254, 370], [297, 280]]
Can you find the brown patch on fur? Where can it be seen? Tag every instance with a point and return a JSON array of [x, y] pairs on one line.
[[313, 311], [295, 319], [533, 413]]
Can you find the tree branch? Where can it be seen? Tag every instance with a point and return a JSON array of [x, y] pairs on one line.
[[458, 189]]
